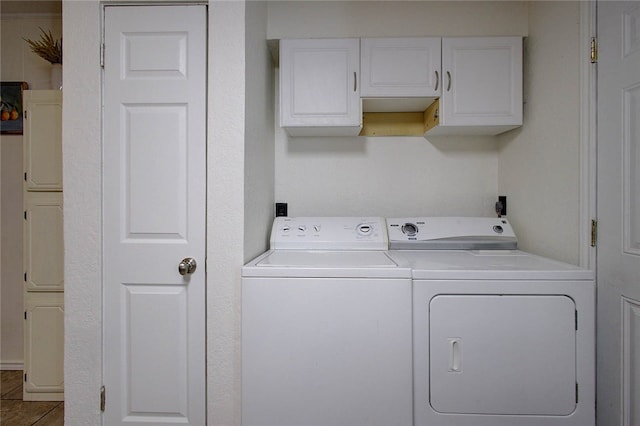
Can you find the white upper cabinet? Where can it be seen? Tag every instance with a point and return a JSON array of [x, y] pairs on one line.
[[458, 85], [481, 86], [399, 74], [43, 140], [319, 93]]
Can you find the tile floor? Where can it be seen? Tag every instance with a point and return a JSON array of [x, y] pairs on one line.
[[16, 412]]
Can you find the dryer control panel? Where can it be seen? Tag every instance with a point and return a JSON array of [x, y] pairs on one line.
[[329, 233], [451, 233]]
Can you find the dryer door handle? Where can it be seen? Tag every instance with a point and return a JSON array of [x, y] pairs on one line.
[[455, 354]]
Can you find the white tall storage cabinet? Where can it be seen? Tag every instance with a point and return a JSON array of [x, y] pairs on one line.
[[43, 247]]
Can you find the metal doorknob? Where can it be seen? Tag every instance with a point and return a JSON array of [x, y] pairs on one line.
[[187, 266]]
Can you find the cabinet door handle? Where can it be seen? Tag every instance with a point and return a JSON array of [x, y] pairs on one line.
[[449, 81], [355, 82], [437, 81]]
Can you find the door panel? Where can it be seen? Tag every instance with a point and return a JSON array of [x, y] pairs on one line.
[[43, 140], [326, 351], [43, 241], [43, 346], [162, 311], [160, 129], [529, 359], [631, 361], [154, 214], [618, 213]]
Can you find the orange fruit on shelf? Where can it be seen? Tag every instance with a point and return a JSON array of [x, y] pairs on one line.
[[5, 115], [14, 115]]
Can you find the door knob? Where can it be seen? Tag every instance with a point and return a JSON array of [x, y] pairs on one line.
[[187, 266]]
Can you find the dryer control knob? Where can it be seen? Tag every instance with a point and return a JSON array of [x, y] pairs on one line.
[[410, 229]]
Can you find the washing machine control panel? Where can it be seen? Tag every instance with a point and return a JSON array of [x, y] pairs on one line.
[[459, 233], [329, 233]]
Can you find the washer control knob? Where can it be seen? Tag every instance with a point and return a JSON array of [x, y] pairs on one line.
[[364, 229], [302, 228], [286, 229], [410, 229], [498, 229]]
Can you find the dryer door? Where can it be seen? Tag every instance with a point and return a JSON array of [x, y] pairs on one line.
[[503, 355]]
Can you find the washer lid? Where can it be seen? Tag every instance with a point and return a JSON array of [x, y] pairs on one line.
[[325, 263], [451, 233], [328, 259]]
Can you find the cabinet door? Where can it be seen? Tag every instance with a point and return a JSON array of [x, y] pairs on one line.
[[400, 67], [43, 241], [44, 347], [481, 81], [43, 140], [319, 86]]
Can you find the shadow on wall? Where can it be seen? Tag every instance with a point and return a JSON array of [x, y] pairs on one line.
[[357, 146]]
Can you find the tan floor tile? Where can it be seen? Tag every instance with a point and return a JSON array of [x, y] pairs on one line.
[[54, 418], [11, 380], [23, 413]]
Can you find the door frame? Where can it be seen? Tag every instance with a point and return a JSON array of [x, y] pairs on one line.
[[588, 134]]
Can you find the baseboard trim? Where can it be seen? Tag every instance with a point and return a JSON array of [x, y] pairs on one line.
[[11, 365]]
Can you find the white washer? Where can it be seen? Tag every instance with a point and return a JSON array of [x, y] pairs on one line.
[[501, 337], [326, 327]]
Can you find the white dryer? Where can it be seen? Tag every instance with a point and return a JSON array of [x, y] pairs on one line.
[[501, 337], [326, 327]]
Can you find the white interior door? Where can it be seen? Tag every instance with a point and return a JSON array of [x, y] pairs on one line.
[[618, 213], [154, 214]]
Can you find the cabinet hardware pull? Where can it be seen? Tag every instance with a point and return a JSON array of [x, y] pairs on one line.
[[449, 81], [437, 80], [355, 82]]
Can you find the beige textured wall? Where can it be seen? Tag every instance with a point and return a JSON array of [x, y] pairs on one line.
[[539, 164]]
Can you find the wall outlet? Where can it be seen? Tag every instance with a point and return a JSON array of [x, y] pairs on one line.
[[281, 209], [502, 199]]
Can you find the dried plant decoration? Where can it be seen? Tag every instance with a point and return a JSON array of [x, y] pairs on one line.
[[47, 47]]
